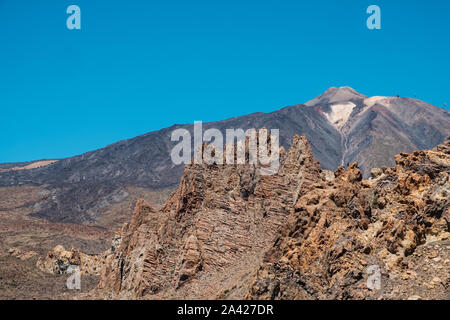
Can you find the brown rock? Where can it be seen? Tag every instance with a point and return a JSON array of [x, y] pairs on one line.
[[59, 260], [298, 234]]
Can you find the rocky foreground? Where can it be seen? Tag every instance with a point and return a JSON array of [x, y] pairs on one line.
[[304, 233]]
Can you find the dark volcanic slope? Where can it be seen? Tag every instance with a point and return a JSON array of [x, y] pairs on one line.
[[371, 135], [145, 160]]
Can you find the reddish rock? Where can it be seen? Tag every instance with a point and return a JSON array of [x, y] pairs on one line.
[[230, 232]]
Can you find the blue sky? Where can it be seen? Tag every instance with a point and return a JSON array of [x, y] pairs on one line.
[[138, 66]]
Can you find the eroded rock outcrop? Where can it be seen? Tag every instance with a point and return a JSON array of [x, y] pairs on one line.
[[342, 229], [22, 255], [303, 233], [62, 261], [220, 217]]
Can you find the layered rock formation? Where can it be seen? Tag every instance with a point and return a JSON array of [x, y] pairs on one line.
[[220, 216], [340, 231], [303, 233]]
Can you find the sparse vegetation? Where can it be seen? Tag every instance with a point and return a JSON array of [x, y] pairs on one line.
[[375, 202]]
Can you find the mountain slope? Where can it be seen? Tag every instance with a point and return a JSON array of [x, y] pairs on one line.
[[341, 126]]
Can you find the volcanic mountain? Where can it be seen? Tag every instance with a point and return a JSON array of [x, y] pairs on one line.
[[341, 125]]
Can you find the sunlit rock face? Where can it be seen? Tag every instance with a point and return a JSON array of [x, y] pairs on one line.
[[304, 233], [213, 229], [396, 222]]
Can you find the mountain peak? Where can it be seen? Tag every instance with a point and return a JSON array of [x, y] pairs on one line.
[[340, 89], [335, 95]]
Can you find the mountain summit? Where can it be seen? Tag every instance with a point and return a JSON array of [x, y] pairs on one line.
[[336, 95], [341, 125]]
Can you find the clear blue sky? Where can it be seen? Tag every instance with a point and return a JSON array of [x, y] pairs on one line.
[[138, 66]]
